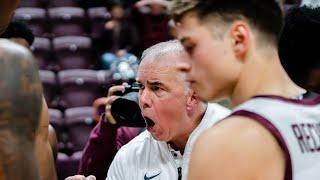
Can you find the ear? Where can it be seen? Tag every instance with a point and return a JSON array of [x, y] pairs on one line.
[[192, 101], [240, 36]]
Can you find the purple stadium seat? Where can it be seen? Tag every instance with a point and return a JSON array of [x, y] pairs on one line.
[[49, 86], [63, 3], [79, 122], [56, 120], [41, 49], [79, 87], [68, 166], [67, 21], [35, 18], [73, 52], [98, 17]]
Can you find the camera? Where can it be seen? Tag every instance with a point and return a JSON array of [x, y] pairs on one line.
[[128, 88], [125, 110]]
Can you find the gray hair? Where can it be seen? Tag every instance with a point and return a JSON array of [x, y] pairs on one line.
[[163, 48]]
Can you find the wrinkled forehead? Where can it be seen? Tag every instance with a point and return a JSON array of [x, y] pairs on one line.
[[163, 67]]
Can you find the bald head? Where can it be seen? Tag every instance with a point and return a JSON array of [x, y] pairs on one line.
[[20, 87], [7, 8], [20, 106]]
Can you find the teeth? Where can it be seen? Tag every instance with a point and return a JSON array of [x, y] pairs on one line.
[[149, 122]]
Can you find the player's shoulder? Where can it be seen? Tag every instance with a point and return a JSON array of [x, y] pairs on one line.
[[240, 143], [245, 133]]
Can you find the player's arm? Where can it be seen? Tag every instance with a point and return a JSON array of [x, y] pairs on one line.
[[43, 148], [237, 148]]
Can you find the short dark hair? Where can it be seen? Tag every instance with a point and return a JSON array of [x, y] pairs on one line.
[[265, 15], [18, 29], [298, 45]]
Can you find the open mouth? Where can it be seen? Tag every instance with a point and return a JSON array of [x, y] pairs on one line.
[[149, 122]]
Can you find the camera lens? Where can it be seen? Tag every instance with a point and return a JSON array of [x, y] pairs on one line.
[[126, 111]]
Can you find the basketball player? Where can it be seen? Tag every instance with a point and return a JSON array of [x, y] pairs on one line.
[[20, 109], [274, 130], [44, 152]]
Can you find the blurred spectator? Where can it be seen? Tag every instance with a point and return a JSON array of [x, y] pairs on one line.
[[120, 37], [311, 3], [104, 142], [20, 33], [152, 20], [298, 51]]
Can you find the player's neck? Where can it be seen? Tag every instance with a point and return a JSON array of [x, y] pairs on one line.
[[264, 77]]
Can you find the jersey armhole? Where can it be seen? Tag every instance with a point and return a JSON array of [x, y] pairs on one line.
[[275, 132]]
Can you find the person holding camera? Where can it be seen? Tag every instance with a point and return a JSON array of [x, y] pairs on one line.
[[174, 117], [106, 138]]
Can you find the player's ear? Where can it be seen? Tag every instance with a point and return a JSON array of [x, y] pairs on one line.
[[240, 39]]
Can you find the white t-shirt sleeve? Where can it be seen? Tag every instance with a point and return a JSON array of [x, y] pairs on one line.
[[117, 168]]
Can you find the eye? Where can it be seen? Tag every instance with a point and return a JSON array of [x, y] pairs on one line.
[[158, 90], [155, 88], [189, 48]]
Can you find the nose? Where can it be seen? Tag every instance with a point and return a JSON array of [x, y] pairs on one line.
[[144, 99]]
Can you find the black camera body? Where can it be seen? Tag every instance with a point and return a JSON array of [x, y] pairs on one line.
[[126, 111], [128, 89]]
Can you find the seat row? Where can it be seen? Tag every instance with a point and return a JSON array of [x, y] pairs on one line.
[[63, 21], [67, 52], [59, 3], [74, 88], [72, 127]]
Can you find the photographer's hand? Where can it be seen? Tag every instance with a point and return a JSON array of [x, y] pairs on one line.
[[110, 99], [107, 101]]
